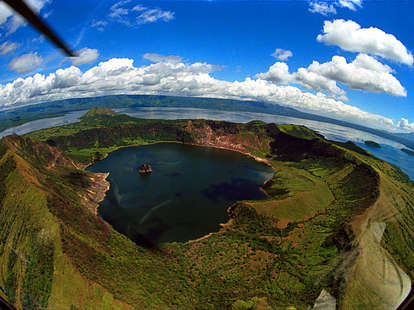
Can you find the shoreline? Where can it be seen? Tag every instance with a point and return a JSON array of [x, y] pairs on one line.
[[255, 157], [96, 191], [106, 185], [408, 301]]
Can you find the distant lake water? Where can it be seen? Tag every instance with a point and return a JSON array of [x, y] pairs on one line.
[[69, 118], [186, 195], [389, 151]]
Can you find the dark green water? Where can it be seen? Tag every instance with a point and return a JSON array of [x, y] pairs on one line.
[[184, 198]]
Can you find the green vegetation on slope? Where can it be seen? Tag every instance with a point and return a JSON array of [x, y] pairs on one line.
[[98, 112], [272, 254], [44, 225]]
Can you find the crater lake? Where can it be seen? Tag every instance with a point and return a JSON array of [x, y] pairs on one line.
[[185, 197]]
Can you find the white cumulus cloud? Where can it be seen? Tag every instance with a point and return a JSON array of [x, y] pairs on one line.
[[349, 36], [364, 73], [85, 56], [278, 73], [317, 82], [406, 125], [25, 63], [282, 54]]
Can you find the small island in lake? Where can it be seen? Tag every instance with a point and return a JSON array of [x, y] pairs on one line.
[[409, 152], [372, 143], [145, 169]]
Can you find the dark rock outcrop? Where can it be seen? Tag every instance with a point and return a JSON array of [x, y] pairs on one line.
[[145, 169]]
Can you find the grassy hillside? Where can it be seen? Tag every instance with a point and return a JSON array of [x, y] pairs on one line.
[[313, 232], [55, 253]]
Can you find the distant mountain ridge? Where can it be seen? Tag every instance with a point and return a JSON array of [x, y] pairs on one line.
[[14, 117], [99, 111]]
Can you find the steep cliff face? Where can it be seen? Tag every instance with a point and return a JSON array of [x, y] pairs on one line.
[[41, 154], [227, 136]]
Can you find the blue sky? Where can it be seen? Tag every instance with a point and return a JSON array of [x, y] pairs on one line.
[[347, 59]]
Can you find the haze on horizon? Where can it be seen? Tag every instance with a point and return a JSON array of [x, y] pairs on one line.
[[346, 59]]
